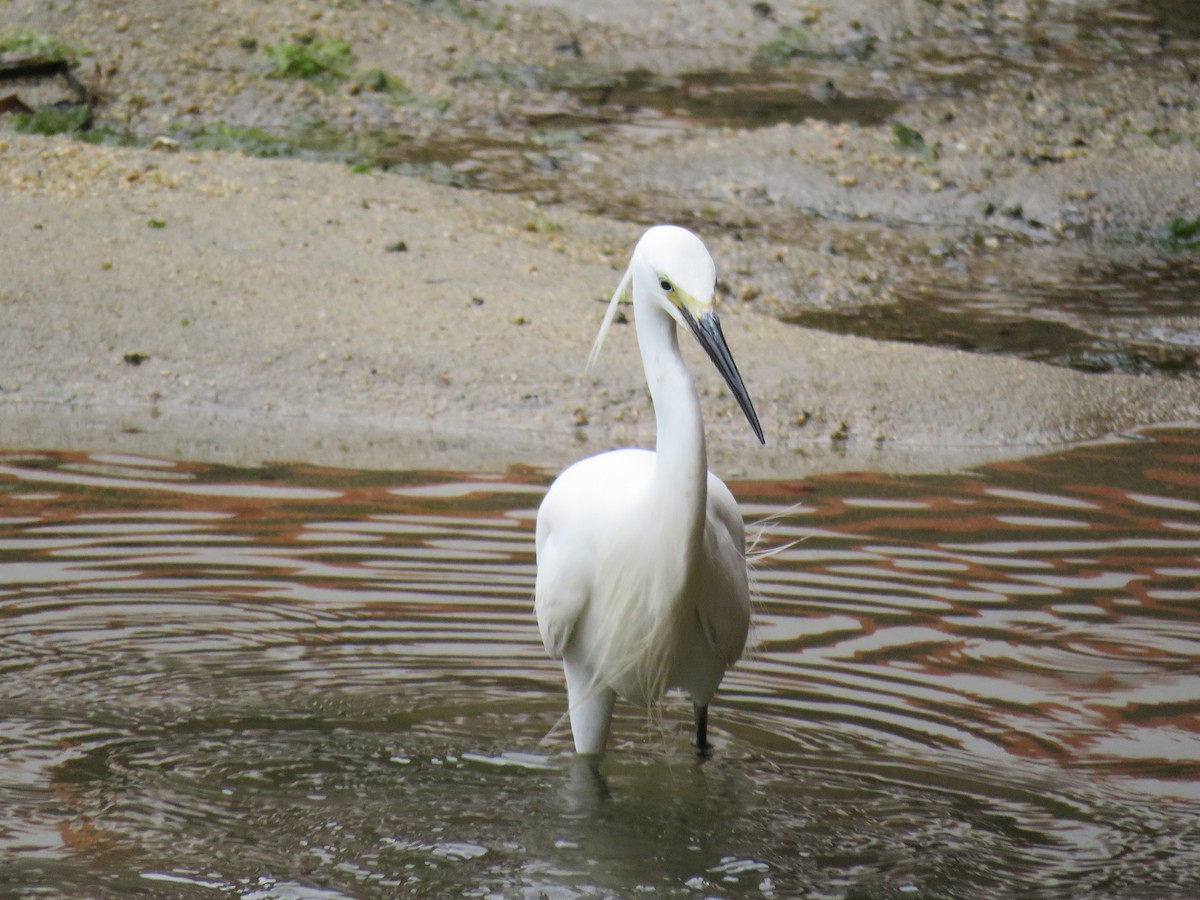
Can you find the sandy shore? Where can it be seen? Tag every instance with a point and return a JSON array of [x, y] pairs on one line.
[[209, 305], [268, 319]]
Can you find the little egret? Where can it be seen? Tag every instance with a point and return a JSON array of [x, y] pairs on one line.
[[641, 555]]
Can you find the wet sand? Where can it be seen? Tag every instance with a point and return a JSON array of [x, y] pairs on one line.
[[209, 305]]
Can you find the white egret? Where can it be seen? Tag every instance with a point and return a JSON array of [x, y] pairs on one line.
[[641, 558]]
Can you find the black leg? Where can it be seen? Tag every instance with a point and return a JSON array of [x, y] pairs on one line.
[[701, 739]]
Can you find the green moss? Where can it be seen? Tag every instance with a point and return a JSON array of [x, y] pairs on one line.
[[251, 141], [54, 120], [32, 43], [304, 140], [1178, 234], [108, 136], [793, 41], [311, 58], [380, 81], [543, 226], [907, 138], [1185, 230], [377, 81]]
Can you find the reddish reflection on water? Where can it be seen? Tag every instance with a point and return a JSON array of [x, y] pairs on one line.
[[1046, 608], [294, 680]]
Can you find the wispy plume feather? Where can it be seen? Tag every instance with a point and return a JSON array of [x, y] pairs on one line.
[[622, 292]]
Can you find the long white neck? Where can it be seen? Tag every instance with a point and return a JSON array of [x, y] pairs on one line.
[[681, 465]]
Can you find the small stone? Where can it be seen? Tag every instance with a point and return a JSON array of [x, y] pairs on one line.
[[164, 144]]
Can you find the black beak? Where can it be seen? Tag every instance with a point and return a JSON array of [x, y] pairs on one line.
[[707, 330]]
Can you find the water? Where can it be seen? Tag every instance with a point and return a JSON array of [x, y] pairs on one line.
[[297, 682], [1141, 319], [731, 99], [588, 118]]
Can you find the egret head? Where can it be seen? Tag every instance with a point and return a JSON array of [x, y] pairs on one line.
[[679, 272], [672, 268]]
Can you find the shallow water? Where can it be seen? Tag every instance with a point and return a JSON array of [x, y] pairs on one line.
[[1135, 319], [297, 682], [535, 149], [734, 100]]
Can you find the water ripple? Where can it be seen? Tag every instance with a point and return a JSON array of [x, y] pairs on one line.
[[309, 681]]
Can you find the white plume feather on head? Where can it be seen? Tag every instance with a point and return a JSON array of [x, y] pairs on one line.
[[621, 292]]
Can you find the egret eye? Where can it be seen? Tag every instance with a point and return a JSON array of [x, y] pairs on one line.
[[665, 285]]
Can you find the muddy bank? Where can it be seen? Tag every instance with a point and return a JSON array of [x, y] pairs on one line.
[[265, 309], [219, 305]]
